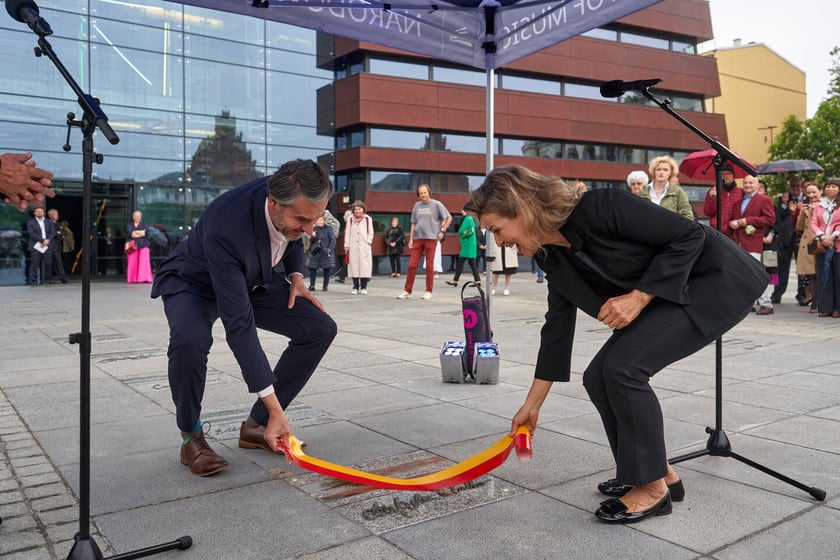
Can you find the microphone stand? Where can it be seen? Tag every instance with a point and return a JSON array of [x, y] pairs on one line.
[[718, 443], [84, 547]]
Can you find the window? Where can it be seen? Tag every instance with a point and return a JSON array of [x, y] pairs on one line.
[[644, 40], [535, 85], [399, 69], [458, 76], [581, 90]]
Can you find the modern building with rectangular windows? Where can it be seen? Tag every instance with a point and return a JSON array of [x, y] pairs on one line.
[[201, 100], [400, 119], [205, 100]]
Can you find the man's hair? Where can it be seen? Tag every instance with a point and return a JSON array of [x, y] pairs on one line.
[[417, 190], [300, 177]]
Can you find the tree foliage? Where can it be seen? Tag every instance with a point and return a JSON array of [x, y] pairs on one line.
[[817, 138]]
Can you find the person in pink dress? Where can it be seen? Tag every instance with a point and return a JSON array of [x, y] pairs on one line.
[[139, 263]]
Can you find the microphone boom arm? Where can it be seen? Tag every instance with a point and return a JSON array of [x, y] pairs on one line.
[[723, 151]]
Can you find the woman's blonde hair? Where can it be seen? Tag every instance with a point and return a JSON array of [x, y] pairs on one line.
[[675, 169], [544, 203]]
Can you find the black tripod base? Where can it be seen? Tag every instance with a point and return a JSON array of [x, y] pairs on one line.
[[86, 549], [718, 446]]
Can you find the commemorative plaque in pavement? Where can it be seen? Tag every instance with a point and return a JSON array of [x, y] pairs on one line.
[[381, 510]]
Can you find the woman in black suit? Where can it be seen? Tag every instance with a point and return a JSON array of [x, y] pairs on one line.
[[667, 287]]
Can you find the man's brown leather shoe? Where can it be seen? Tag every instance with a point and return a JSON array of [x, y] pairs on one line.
[[200, 457], [764, 311], [253, 438]]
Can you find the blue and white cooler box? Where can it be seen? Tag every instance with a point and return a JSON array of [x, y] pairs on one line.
[[453, 362], [486, 360]]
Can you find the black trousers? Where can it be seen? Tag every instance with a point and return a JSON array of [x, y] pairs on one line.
[[36, 259], [191, 317], [313, 276], [396, 264], [460, 267], [617, 381], [785, 258], [828, 285], [54, 260]]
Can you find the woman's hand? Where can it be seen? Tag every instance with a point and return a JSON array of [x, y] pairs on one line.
[[526, 416], [620, 311], [530, 411]]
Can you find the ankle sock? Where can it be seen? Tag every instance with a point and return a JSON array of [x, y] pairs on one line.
[[187, 436]]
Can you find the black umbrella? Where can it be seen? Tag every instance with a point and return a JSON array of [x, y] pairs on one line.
[[783, 166]]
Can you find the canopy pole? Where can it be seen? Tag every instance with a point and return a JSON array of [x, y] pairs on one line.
[[489, 47], [491, 113]]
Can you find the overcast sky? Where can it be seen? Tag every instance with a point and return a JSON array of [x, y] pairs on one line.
[[802, 32]]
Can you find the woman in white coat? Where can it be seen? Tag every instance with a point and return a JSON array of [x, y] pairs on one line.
[[357, 241], [506, 263]]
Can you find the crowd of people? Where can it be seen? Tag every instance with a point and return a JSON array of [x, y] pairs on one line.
[[800, 227]]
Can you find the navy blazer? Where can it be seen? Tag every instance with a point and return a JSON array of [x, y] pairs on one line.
[[619, 242], [227, 257], [34, 231]]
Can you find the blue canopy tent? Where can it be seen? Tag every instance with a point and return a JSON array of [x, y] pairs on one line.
[[485, 34]]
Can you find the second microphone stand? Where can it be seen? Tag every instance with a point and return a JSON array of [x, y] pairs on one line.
[[718, 443]]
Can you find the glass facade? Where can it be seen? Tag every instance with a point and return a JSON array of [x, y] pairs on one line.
[[202, 101]]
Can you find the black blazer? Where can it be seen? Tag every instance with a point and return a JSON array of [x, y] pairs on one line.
[[34, 231], [620, 242], [227, 257]]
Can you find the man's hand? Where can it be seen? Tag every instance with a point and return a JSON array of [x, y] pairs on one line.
[[278, 427], [21, 182], [620, 311], [298, 289]]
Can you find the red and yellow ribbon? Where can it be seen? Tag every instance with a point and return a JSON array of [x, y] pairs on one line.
[[466, 470]]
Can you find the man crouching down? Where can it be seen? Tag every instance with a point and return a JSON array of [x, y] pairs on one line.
[[243, 263]]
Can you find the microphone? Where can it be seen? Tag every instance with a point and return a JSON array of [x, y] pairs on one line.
[[26, 11], [617, 88]]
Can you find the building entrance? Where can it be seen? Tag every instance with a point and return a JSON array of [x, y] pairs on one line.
[[110, 213]]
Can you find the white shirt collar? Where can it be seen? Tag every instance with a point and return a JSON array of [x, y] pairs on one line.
[[279, 242]]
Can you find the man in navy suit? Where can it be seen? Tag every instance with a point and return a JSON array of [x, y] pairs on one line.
[[41, 232], [243, 263]]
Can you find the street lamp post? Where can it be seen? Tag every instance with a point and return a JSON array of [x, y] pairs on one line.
[[770, 128]]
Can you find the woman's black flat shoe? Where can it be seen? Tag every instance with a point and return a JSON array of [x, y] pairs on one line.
[[614, 510], [614, 488]]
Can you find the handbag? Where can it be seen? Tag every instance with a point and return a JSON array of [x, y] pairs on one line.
[[130, 247], [770, 258], [476, 312], [815, 247]]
